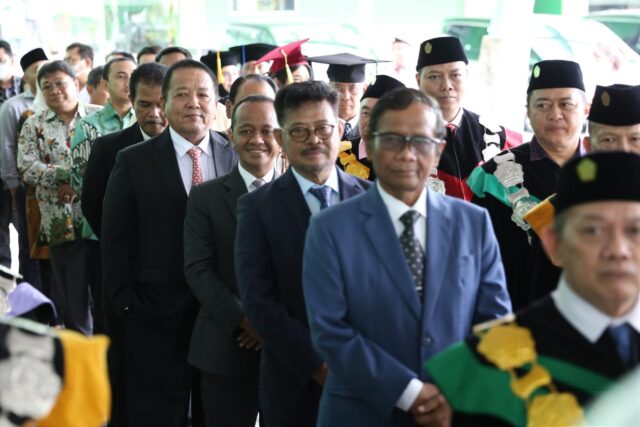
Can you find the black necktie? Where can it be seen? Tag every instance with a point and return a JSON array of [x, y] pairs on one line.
[[621, 335], [412, 249], [347, 131]]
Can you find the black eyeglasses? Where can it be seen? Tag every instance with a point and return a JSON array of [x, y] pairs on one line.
[[396, 142], [301, 133]]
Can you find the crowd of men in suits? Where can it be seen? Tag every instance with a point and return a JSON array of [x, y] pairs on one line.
[[324, 259]]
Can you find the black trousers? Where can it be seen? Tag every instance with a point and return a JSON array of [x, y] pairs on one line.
[[70, 269], [159, 381], [229, 400]]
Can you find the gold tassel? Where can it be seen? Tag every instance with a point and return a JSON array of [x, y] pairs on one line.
[[219, 67], [286, 67]]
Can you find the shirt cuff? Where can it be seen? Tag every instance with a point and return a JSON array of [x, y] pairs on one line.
[[409, 395]]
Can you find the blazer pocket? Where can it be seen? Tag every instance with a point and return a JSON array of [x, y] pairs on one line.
[[152, 275]]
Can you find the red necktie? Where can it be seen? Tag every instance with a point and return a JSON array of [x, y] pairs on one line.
[[196, 176]]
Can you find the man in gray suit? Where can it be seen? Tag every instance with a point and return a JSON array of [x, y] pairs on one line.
[[224, 344], [142, 246]]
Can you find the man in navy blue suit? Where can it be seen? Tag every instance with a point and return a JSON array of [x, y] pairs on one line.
[[272, 222], [397, 274]]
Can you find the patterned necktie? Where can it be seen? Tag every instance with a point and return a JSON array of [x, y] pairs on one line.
[[347, 131], [323, 194], [258, 183], [196, 176], [412, 249], [621, 335]]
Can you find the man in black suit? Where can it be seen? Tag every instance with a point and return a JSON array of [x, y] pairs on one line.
[[272, 222], [142, 250], [144, 88], [224, 344]]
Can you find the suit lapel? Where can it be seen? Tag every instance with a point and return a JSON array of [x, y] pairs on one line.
[[167, 165], [222, 154], [288, 191], [438, 250], [348, 185], [386, 244], [134, 133], [235, 188]]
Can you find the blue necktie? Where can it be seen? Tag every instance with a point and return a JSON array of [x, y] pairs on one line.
[[323, 194], [412, 249], [622, 338]]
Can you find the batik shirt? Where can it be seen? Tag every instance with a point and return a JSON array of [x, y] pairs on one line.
[[44, 159]]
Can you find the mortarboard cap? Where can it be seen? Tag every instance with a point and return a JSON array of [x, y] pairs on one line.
[[345, 67], [440, 50], [616, 105], [215, 60], [380, 85], [284, 57], [600, 176], [31, 57], [252, 52], [555, 73]]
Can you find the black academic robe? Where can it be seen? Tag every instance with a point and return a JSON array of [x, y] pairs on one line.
[[556, 338], [463, 152], [530, 273]]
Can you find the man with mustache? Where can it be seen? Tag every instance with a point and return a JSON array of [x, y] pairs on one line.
[[541, 366], [142, 244], [516, 180], [272, 222], [471, 139]]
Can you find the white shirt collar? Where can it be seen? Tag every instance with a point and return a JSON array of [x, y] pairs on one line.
[[354, 121], [248, 178], [181, 145], [397, 208], [457, 119], [586, 318], [144, 135], [305, 184]]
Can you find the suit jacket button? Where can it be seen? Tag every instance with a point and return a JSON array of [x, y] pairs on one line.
[[427, 341]]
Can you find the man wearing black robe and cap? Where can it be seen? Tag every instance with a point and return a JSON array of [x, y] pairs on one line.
[[541, 366], [471, 139], [516, 180]]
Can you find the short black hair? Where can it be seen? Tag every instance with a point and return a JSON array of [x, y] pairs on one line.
[[85, 51], [173, 49], [187, 63], [235, 87], [119, 54], [281, 76], [150, 73], [53, 67], [153, 49], [6, 46], [247, 100], [295, 95], [107, 68], [401, 98], [95, 76]]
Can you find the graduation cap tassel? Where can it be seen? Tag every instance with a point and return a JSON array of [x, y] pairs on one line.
[[219, 67], [286, 67]]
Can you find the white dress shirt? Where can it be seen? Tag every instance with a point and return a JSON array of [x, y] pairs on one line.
[[312, 201], [587, 319], [144, 135], [248, 178], [396, 209], [185, 164], [457, 119]]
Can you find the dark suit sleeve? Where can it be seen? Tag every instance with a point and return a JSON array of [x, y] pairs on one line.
[[493, 299], [94, 185], [200, 259], [119, 237], [286, 337]]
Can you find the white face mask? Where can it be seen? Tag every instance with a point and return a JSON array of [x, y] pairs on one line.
[[5, 71]]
